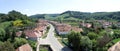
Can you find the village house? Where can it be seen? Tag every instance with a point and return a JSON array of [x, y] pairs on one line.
[[106, 24], [63, 29], [36, 32], [42, 21], [115, 47], [25, 47], [76, 29], [88, 25], [40, 29], [33, 34], [53, 23], [42, 25]]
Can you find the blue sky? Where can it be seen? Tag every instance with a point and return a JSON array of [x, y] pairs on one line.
[[31, 7]]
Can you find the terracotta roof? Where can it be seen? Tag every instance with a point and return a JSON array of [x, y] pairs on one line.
[[88, 25], [32, 33], [42, 21], [77, 29], [63, 27], [25, 47], [40, 28], [37, 32], [115, 47]]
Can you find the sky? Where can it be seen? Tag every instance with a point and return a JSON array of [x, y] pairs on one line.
[[31, 7]]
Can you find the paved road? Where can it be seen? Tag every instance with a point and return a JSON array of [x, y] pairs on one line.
[[38, 45], [53, 42]]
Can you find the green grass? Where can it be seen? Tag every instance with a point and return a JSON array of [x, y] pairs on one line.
[[116, 40], [33, 44], [45, 48], [65, 40], [42, 48]]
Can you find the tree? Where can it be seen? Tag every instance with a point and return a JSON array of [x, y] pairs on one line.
[[17, 23], [6, 46], [114, 26], [116, 33], [14, 15], [94, 45], [28, 23], [92, 35], [86, 43], [19, 41], [3, 17], [74, 40], [2, 34], [32, 44], [11, 33]]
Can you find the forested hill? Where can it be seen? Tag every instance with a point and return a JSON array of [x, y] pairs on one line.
[[43, 15], [85, 15]]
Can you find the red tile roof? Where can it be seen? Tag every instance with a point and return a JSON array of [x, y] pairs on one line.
[[88, 25], [32, 33], [63, 27], [25, 47], [77, 29]]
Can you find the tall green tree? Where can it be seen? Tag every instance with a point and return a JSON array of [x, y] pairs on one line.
[[17, 23], [86, 43], [2, 34], [19, 41], [3, 17], [14, 15], [11, 33], [6, 46], [92, 35], [74, 40]]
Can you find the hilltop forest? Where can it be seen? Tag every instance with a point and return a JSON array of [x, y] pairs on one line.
[[110, 16]]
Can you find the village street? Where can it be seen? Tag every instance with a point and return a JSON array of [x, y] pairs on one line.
[[52, 41]]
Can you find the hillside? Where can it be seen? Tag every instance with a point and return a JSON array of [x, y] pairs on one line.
[[82, 15], [43, 15]]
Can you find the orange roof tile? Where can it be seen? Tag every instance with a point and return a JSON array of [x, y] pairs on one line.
[[25, 47]]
